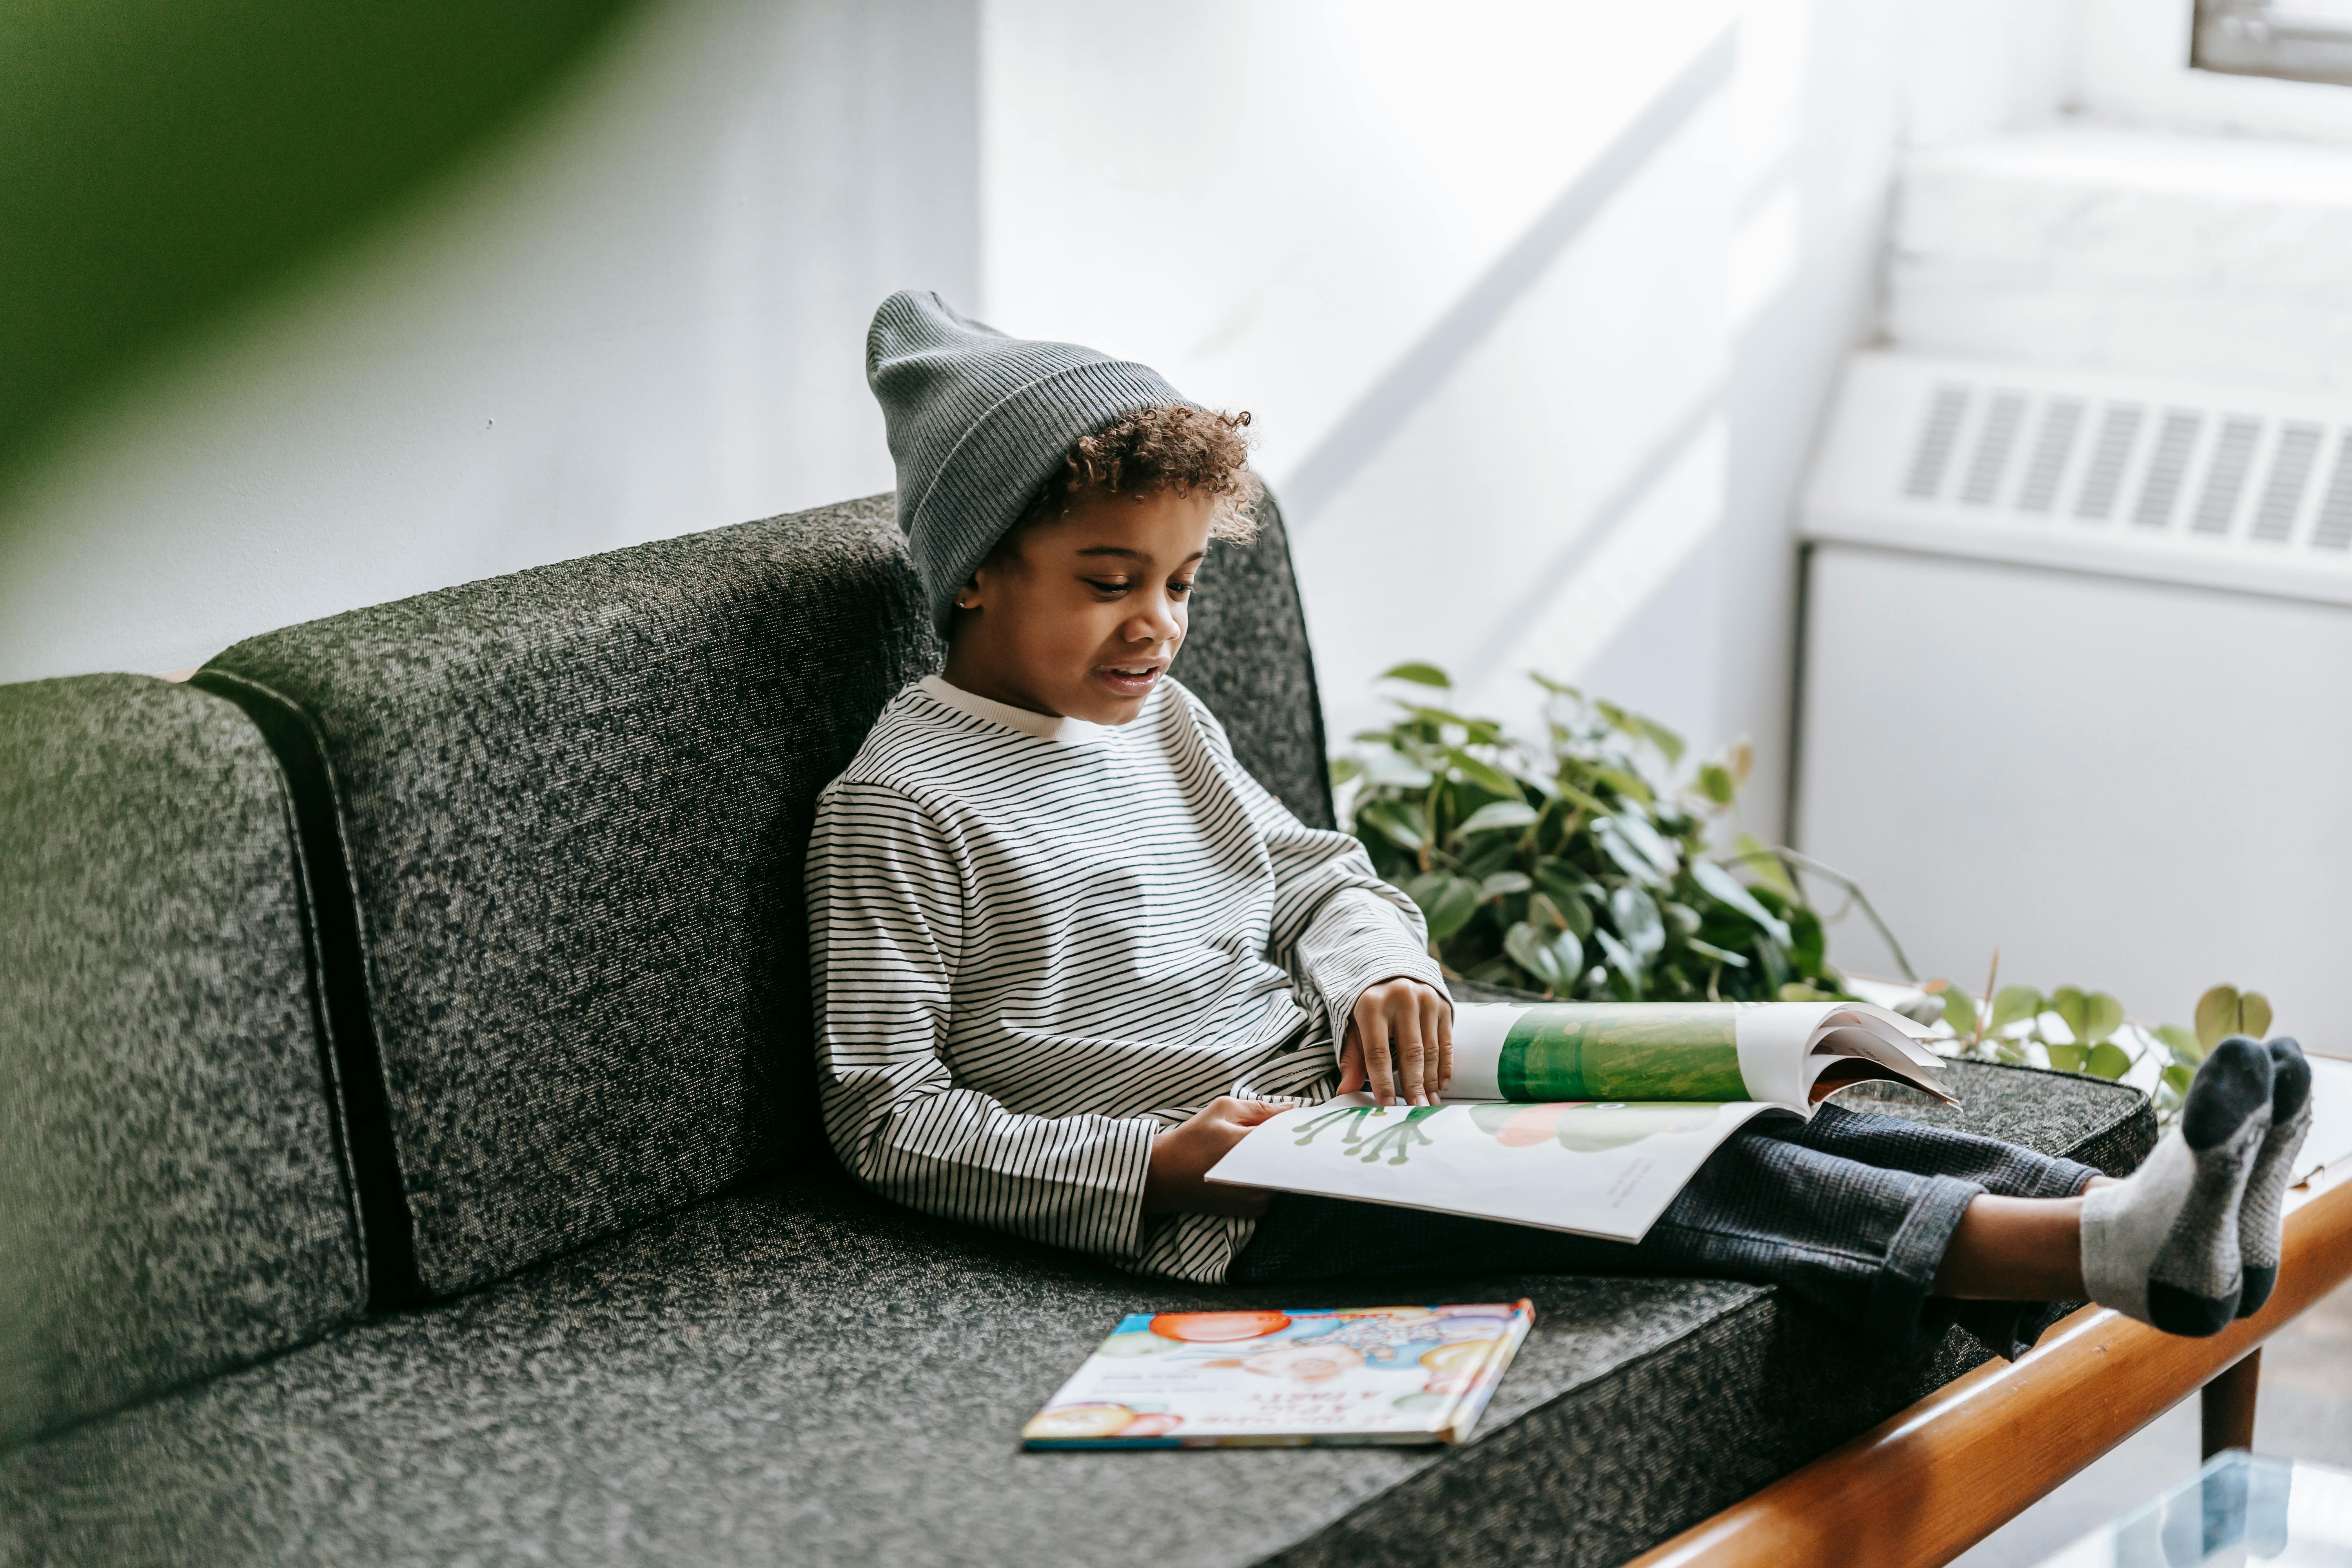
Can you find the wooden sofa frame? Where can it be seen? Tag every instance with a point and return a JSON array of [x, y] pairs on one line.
[[1926, 1484]]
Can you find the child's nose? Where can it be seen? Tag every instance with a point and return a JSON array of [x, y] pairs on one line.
[[1154, 623]]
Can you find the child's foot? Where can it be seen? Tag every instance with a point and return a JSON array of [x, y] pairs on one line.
[[2258, 1218], [2162, 1246]]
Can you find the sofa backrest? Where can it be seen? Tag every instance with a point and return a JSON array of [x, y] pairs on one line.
[[1246, 656], [173, 1197], [571, 808]]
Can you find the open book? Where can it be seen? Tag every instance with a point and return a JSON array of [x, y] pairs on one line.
[[1583, 1116]]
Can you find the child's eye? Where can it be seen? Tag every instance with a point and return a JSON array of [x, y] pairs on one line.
[[1110, 588], [1180, 589]]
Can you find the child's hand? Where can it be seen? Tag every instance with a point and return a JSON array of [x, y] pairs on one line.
[[1182, 1156], [1416, 1024]]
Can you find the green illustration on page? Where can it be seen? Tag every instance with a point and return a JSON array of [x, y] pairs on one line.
[[1608, 1052], [1582, 1116]]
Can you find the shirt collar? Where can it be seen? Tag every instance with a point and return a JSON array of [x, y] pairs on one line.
[[1045, 726]]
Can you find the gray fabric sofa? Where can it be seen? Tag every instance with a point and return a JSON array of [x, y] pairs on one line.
[[407, 1147]]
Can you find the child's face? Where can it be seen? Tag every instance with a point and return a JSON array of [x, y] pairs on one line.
[[1084, 616]]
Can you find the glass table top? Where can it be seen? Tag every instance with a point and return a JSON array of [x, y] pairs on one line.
[[2239, 1508]]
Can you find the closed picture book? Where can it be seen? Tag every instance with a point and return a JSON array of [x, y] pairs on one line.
[[1583, 1116], [1285, 1379]]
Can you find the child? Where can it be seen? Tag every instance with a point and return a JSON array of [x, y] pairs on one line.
[[1068, 953]]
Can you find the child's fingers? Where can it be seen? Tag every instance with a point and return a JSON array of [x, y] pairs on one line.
[[1373, 1036], [1351, 1065], [1437, 1025], [1351, 1060], [1413, 1060]]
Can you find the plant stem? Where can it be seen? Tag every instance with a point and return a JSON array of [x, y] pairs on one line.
[[1985, 1017], [1792, 861]]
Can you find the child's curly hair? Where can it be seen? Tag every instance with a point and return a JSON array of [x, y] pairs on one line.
[[1171, 446]]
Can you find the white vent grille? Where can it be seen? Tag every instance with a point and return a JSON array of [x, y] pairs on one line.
[[2229, 486]]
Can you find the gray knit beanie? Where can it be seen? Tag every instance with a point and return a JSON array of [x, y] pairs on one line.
[[978, 421]]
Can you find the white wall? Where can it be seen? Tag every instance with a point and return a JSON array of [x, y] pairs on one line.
[[642, 314], [1535, 304]]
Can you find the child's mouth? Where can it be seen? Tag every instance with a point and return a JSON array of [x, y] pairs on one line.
[[1128, 681]]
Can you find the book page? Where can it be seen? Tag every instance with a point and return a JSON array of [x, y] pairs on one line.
[[1717, 1051], [1605, 1170], [1598, 1051]]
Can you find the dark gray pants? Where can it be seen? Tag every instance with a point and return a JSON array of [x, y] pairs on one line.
[[1852, 1212]]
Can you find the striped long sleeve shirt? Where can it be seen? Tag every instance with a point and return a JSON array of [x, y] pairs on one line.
[[1037, 942]]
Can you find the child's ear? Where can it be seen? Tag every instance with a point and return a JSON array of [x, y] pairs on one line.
[[968, 596]]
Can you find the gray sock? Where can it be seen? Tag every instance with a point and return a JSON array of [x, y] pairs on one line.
[[2260, 1217], [2162, 1245]]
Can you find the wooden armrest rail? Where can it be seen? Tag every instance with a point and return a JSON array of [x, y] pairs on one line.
[[1929, 1483]]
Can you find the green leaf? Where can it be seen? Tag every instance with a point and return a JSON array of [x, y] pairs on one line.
[[1441, 717], [1590, 806], [2014, 1003], [1558, 689], [1755, 859], [2109, 1059], [1808, 945], [2090, 1016], [1499, 815], [1447, 901], [1631, 785], [1484, 774], [1638, 921], [1728, 890], [1565, 886], [2217, 1016], [1555, 958], [1960, 1010], [1634, 726], [1624, 965], [1420, 674], [2254, 1015], [1393, 768], [2187, 1051], [1720, 956], [1504, 883], [2177, 1078], [2074, 1010], [2068, 1058], [1483, 732], [1715, 783], [1636, 849], [1343, 769], [1798, 991], [1400, 824]]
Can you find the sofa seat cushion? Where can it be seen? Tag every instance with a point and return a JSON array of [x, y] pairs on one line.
[[798, 1372], [173, 1197]]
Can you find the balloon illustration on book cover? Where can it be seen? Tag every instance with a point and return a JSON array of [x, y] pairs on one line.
[[1448, 1344]]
